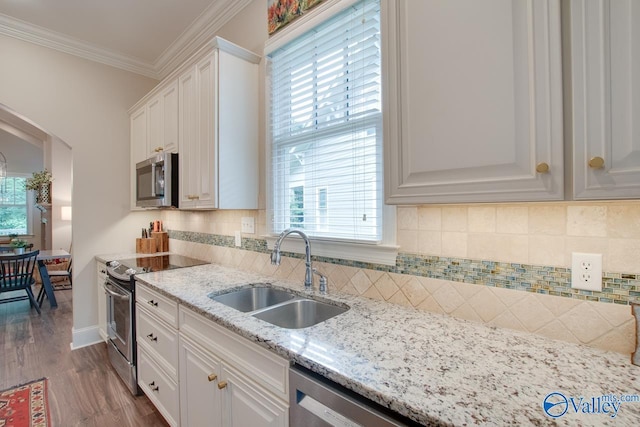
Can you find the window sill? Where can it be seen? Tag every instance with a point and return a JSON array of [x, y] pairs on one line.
[[362, 252]]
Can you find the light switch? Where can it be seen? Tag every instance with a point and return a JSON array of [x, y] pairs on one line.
[[247, 225]]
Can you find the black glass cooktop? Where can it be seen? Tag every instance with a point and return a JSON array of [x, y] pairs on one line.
[[124, 268]]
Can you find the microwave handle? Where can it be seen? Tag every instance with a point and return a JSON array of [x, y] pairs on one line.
[[153, 180]]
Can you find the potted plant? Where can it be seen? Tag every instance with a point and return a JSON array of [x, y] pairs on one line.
[[18, 246], [40, 182]]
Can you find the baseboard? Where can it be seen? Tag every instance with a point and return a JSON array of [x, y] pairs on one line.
[[84, 337]]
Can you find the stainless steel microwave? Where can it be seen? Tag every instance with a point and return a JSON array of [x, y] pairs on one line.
[[157, 181]]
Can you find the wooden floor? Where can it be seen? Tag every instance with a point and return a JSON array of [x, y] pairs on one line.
[[83, 388]]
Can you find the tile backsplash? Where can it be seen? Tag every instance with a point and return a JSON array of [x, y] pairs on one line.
[[506, 265]]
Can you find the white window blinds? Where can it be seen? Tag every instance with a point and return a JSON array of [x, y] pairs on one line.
[[326, 128]]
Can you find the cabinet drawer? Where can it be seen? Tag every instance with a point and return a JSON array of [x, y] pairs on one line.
[[258, 364], [159, 340], [159, 388], [161, 306]]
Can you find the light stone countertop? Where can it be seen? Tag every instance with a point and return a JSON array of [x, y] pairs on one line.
[[434, 369]]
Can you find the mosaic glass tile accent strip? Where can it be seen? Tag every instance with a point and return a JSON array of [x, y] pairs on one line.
[[617, 288]]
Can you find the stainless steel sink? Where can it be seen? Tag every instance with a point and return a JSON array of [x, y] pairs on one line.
[[279, 307], [300, 313], [252, 299]]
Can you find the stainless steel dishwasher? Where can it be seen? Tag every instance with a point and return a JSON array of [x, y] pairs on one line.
[[318, 402]]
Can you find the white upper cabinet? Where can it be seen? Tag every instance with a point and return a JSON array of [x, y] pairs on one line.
[[473, 101], [138, 136], [605, 82], [218, 141], [162, 121], [207, 112]]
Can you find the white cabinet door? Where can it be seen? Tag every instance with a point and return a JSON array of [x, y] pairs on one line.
[[138, 129], [605, 72], [139, 135], [207, 136], [155, 140], [198, 136], [102, 300], [245, 404], [159, 340], [188, 158], [199, 394], [170, 117], [473, 94], [162, 121], [159, 388]]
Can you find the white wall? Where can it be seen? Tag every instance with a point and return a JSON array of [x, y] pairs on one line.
[[84, 104], [22, 156], [62, 171]]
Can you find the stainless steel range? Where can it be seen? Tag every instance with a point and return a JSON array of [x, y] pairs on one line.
[[120, 288]]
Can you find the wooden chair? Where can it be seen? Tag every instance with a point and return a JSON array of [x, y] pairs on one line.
[[16, 273], [62, 273]]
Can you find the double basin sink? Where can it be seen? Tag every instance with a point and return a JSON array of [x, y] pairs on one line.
[[279, 307]]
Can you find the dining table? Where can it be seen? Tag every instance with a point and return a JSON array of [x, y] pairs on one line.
[[47, 255]]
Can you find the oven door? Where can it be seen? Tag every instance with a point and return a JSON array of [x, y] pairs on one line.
[[119, 318]]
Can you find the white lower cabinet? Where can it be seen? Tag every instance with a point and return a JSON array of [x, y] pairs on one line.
[[199, 393], [245, 404], [214, 394], [159, 387], [227, 381], [157, 341], [201, 374]]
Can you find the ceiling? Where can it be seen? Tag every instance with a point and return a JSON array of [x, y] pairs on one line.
[[144, 36]]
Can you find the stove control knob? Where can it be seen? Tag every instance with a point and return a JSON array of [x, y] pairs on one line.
[[130, 271]]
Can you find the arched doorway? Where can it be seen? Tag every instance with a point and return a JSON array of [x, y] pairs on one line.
[[30, 148]]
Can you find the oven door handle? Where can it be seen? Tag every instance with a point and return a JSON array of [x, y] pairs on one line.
[[115, 294]]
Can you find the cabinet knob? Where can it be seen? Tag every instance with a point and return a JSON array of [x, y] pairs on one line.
[[153, 386], [542, 167], [212, 377], [596, 163], [152, 303], [152, 338], [222, 384]]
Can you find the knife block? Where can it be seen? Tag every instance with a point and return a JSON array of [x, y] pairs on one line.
[[145, 246], [162, 240]]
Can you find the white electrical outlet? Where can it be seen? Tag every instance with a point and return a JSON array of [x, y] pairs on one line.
[[238, 239], [586, 271], [247, 225]]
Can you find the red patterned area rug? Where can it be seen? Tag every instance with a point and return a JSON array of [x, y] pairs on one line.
[[25, 405]]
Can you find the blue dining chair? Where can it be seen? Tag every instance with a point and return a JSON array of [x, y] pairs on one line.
[[16, 273]]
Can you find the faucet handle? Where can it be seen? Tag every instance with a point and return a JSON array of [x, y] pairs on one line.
[[275, 256], [322, 282]]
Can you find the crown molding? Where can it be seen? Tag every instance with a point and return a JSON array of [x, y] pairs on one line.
[[25, 31], [200, 32]]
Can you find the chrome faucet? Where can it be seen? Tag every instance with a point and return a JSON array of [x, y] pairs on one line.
[[310, 271]]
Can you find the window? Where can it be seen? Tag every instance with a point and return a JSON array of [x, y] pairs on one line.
[[326, 128], [14, 206]]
